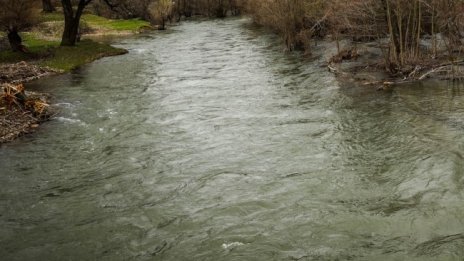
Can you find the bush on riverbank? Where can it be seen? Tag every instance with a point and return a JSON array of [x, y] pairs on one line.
[[411, 36]]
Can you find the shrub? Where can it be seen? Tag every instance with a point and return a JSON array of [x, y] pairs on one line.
[[16, 16]]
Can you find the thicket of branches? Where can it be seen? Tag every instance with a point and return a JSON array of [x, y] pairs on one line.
[[179, 8], [16, 16], [402, 23]]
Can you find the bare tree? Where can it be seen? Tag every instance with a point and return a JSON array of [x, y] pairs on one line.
[[122, 8], [16, 16], [72, 17]]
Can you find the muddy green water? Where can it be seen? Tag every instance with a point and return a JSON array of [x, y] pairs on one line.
[[207, 142]]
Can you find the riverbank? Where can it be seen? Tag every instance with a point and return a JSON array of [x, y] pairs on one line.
[[45, 57], [410, 40], [364, 63], [15, 120]]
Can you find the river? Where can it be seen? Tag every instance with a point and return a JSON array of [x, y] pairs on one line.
[[207, 142]]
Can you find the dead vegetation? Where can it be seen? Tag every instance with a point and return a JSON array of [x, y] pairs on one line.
[[21, 111], [23, 72], [414, 38]]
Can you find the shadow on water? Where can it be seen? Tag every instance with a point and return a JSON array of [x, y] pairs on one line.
[[208, 142]]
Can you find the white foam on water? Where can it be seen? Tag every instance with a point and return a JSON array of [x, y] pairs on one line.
[[142, 50], [232, 245], [69, 120], [64, 104]]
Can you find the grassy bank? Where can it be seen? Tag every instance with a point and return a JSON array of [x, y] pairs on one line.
[[43, 41], [68, 58], [409, 40], [49, 53]]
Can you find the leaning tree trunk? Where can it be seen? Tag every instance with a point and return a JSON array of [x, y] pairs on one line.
[[71, 21], [47, 6], [15, 41]]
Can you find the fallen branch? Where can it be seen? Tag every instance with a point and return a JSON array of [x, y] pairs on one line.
[[435, 70], [441, 68]]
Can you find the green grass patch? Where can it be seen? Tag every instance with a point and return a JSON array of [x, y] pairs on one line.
[[117, 25], [49, 53], [67, 58], [99, 22], [36, 46]]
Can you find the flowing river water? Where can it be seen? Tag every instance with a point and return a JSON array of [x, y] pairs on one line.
[[207, 142]]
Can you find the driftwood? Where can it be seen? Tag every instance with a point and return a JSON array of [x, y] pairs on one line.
[[20, 112], [434, 70], [441, 68]]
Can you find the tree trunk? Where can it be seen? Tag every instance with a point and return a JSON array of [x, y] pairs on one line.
[[71, 21], [47, 6], [70, 33], [163, 24], [15, 41]]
